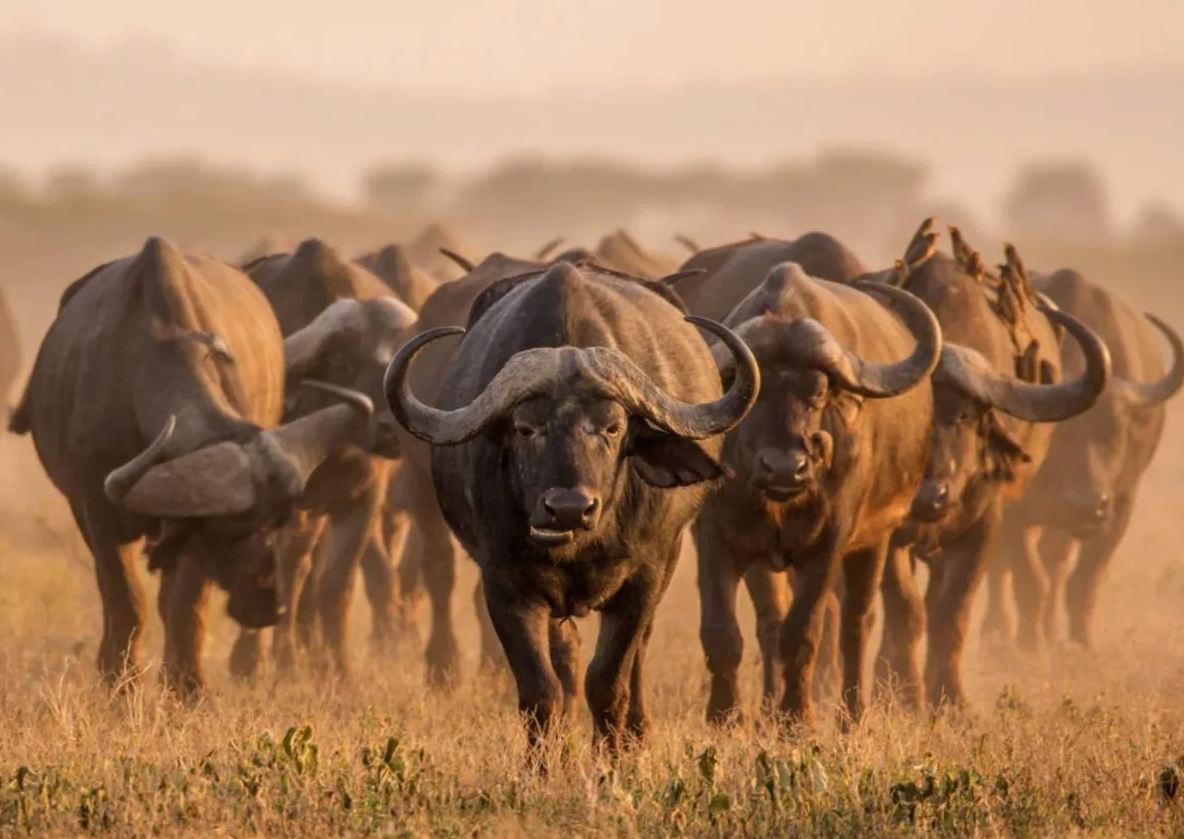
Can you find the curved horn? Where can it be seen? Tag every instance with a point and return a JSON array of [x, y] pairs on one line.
[[120, 480], [974, 376], [1155, 393], [419, 419], [687, 242], [534, 371], [302, 348], [226, 479], [546, 250], [306, 442], [880, 381], [458, 259]]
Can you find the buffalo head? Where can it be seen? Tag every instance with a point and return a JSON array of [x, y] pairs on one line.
[[569, 420], [227, 503], [1090, 452], [787, 444], [971, 446], [350, 344]]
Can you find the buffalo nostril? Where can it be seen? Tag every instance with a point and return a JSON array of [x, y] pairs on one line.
[[567, 510]]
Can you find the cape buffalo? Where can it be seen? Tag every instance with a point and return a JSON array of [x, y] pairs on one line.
[[352, 323], [153, 405], [995, 393], [728, 274], [1081, 499], [564, 459], [825, 468]]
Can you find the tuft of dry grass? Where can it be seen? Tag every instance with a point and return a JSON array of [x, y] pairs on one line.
[[1060, 743]]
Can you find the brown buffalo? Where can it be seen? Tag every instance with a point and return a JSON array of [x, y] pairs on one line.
[[997, 390], [825, 469], [1080, 501], [391, 264], [154, 406]]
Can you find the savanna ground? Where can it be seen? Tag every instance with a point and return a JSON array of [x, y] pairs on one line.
[[1062, 743]]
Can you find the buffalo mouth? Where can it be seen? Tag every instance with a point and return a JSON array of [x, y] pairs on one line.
[[780, 493], [551, 538]]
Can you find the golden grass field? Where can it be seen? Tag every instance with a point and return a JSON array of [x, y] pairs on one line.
[[1061, 744]]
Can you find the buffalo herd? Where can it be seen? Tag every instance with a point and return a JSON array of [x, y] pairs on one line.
[[819, 429]]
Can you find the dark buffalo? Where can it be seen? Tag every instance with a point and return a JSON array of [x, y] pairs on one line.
[[429, 557], [825, 469], [997, 390], [1081, 499], [563, 457], [352, 323], [153, 405]]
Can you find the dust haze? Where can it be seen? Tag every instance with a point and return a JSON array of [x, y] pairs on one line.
[[1055, 125]]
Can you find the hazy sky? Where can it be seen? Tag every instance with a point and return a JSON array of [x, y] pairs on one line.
[[525, 45]]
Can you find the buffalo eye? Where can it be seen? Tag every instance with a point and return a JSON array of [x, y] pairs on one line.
[[524, 432], [614, 429]]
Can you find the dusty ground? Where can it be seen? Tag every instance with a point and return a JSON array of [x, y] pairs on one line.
[[1065, 743]]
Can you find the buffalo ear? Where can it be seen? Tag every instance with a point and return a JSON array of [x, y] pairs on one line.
[[667, 461], [1005, 450]]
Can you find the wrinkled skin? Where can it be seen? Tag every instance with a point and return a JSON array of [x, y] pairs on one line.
[[980, 459], [822, 479], [185, 346], [349, 490], [568, 501], [1080, 502]]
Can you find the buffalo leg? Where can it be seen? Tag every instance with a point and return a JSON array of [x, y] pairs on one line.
[[307, 623], [623, 625], [1029, 581], [433, 541], [1082, 588], [124, 602], [997, 623], [564, 639], [801, 634], [1057, 551], [828, 671], [410, 581], [349, 530], [904, 626], [637, 718], [523, 629], [293, 579], [862, 572], [381, 586], [185, 629], [769, 591], [719, 629], [949, 601], [247, 653]]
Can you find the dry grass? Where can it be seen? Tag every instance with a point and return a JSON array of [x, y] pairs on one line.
[[1065, 743]]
